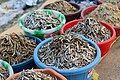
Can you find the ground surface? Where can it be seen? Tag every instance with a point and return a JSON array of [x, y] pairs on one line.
[[14, 21], [109, 67]]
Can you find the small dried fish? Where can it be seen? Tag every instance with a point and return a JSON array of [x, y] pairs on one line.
[[40, 21], [114, 2], [3, 73], [32, 75], [91, 29], [67, 52], [61, 6], [15, 48], [106, 12]]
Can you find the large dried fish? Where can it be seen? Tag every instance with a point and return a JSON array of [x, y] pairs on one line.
[[15, 48]]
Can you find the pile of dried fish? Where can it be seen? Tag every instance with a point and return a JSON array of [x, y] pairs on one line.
[[32, 75], [112, 1], [91, 29], [67, 52], [40, 21], [15, 48], [61, 6], [3, 73], [107, 12]]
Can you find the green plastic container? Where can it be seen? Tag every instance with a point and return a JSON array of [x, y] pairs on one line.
[[7, 66], [42, 33]]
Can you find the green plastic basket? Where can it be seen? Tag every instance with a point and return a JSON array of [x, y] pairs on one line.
[[38, 33], [7, 66]]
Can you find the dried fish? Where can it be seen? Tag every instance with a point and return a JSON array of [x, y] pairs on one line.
[[91, 29], [15, 48], [61, 6], [67, 52], [114, 2], [40, 21], [106, 12], [32, 75], [3, 73]]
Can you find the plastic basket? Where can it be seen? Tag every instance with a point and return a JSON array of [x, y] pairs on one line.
[[39, 33], [83, 73], [92, 8], [28, 64], [104, 46]]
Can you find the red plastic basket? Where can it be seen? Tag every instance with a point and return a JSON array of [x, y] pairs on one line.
[[104, 46], [92, 8]]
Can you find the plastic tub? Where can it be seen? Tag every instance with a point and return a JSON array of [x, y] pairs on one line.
[[46, 71], [90, 9], [72, 16], [7, 66], [83, 73], [28, 64], [75, 15], [41, 33], [104, 46]]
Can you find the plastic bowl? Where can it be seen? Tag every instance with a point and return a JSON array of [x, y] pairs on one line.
[[7, 66], [72, 16], [92, 8], [75, 15], [104, 46], [73, 74], [28, 64], [46, 71], [39, 33]]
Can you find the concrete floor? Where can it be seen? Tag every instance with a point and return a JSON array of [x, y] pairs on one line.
[[109, 67]]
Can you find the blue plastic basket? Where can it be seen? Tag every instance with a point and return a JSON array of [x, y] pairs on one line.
[[28, 64], [83, 73]]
